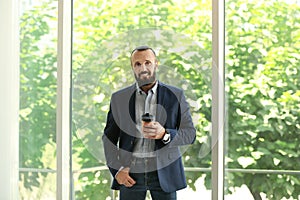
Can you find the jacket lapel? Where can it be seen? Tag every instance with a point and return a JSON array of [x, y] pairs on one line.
[[160, 109], [161, 112], [132, 103]]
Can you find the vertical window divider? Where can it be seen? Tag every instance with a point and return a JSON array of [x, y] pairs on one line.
[[9, 105], [63, 130], [218, 100]]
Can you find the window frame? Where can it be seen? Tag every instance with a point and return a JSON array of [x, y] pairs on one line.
[[9, 78], [64, 166], [64, 172], [218, 98], [64, 47], [63, 110]]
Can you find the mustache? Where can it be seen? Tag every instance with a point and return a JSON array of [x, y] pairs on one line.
[[142, 73]]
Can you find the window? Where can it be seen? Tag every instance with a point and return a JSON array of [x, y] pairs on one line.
[[261, 92], [104, 35], [262, 82], [37, 130]]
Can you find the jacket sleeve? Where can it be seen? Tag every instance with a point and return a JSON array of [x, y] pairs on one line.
[[110, 140], [185, 132]]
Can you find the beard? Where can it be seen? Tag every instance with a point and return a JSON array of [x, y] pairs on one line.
[[145, 81]]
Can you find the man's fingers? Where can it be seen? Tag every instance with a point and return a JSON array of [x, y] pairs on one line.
[[153, 130], [149, 129], [123, 178], [150, 135], [130, 180]]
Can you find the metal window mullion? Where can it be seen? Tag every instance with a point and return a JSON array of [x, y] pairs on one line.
[[218, 100], [64, 52]]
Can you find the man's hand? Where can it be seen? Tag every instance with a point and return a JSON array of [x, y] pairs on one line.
[[123, 178], [153, 130]]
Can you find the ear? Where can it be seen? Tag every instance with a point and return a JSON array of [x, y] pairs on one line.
[[156, 64]]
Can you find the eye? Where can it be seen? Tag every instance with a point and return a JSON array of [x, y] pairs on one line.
[[148, 63], [137, 64]]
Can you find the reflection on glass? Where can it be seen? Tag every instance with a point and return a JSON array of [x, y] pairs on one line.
[[104, 35], [263, 99]]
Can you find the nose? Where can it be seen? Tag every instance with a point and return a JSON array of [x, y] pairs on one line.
[[143, 67]]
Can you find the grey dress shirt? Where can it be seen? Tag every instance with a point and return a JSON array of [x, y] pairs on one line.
[[144, 103]]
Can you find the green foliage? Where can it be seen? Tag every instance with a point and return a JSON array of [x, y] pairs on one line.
[[37, 91], [262, 83], [263, 78], [112, 30]]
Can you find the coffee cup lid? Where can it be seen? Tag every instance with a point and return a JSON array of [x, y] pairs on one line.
[[147, 117]]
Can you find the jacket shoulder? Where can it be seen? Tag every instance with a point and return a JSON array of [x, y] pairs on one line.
[[125, 91], [174, 89]]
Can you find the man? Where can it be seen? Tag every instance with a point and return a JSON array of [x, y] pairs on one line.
[[143, 155]]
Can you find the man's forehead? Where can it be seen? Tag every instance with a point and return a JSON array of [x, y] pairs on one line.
[[143, 55], [142, 48]]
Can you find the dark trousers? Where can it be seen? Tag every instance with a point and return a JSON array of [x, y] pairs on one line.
[[147, 180]]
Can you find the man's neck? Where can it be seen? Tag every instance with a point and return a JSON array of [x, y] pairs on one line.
[[148, 87]]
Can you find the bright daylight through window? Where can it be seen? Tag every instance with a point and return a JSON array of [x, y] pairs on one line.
[[262, 91]]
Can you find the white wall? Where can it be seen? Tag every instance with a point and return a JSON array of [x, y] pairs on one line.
[[9, 99]]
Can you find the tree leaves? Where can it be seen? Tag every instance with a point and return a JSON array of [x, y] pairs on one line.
[[262, 83], [262, 77]]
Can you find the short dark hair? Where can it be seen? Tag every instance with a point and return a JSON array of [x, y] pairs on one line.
[[142, 48]]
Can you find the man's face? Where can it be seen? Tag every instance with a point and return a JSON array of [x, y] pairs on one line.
[[144, 65]]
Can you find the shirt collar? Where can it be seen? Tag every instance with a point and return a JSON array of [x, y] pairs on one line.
[[153, 89]]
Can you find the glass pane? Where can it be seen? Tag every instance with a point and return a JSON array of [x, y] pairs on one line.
[[104, 35], [262, 72], [43, 187], [38, 30], [87, 183]]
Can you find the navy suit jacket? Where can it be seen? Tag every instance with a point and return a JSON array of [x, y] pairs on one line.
[[120, 134]]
